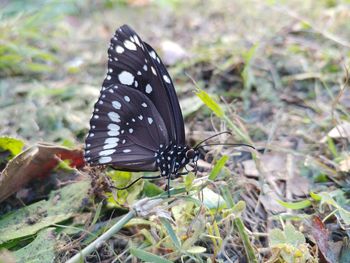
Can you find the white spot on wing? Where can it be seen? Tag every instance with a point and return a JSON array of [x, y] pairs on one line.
[[113, 133], [119, 49], [114, 116], [145, 67], [131, 130], [113, 127], [106, 152], [126, 150], [116, 104], [105, 159], [148, 89], [153, 54], [110, 145], [129, 45], [150, 120], [154, 71], [144, 105], [137, 40], [166, 78], [126, 78], [111, 140], [126, 98]]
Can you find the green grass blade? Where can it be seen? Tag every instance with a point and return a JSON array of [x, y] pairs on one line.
[[171, 232], [148, 257], [245, 239], [295, 205], [210, 103], [217, 168], [13, 145]]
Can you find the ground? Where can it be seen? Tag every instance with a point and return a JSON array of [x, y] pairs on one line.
[[273, 73]]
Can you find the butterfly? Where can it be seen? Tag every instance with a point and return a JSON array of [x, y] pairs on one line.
[[137, 123]]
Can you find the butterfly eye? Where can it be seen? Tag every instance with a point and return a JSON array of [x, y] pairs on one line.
[[190, 154]]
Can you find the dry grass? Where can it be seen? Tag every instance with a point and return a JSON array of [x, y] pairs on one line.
[[278, 71]]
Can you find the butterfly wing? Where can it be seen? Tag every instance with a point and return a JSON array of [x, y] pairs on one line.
[[169, 87], [135, 64], [126, 130]]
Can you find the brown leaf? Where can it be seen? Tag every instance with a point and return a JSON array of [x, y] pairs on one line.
[[322, 239], [36, 161], [273, 164], [268, 199], [298, 185]]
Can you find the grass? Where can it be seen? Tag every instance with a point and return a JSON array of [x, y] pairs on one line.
[[273, 73]]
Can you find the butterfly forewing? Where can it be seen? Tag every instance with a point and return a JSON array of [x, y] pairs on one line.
[[134, 64], [126, 130]]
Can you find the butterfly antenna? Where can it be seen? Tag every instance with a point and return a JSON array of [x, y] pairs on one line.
[[229, 144], [227, 132]]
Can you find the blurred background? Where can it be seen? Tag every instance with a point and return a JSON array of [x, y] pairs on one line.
[[263, 55], [278, 69]]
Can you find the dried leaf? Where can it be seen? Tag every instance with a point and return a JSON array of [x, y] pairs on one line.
[[36, 161], [273, 164], [269, 200], [342, 130], [344, 165], [321, 236]]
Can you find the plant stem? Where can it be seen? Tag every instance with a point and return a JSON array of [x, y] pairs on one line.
[[246, 242], [105, 236]]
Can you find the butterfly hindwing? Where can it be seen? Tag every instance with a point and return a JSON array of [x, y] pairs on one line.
[[126, 130]]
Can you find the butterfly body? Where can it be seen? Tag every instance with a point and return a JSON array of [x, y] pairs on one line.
[[172, 158], [137, 124]]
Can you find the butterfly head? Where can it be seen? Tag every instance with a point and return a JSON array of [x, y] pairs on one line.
[[192, 155]]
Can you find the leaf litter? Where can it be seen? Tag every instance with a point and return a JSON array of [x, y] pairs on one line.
[[277, 67]]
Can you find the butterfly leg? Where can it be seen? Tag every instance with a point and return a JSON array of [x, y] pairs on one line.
[[169, 185], [135, 181], [173, 172], [184, 173]]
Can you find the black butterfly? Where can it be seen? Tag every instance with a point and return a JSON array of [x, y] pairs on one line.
[[137, 124]]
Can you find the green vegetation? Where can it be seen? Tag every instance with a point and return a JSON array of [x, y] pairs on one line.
[[273, 73]]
